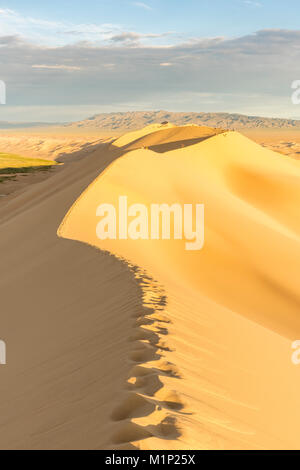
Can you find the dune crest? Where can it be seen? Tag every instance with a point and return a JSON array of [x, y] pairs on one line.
[[233, 307], [140, 133]]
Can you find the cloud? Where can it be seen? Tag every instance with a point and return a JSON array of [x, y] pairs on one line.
[[133, 38], [252, 72], [56, 67], [53, 33], [12, 22], [58, 33], [10, 41], [142, 5]]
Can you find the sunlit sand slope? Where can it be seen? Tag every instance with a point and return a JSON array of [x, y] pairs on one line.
[[212, 365]]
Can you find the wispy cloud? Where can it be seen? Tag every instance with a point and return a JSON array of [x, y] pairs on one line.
[[134, 39], [11, 22], [145, 6], [56, 67], [59, 33], [253, 3]]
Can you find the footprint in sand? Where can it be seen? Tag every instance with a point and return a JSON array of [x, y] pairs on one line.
[[130, 432], [134, 406]]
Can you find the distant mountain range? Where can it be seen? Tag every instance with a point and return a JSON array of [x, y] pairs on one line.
[[138, 119], [127, 121]]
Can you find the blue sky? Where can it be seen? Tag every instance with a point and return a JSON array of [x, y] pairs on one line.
[[68, 59], [186, 17]]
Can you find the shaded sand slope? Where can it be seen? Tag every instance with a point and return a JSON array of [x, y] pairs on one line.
[[163, 138], [231, 310], [66, 316]]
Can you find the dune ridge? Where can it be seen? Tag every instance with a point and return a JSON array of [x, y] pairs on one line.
[[233, 307]]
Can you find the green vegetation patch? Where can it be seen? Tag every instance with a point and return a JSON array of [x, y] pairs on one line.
[[11, 164]]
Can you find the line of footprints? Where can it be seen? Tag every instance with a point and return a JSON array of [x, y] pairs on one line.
[[148, 365]]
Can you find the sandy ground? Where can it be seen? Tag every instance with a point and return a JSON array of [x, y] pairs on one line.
[[67, 311], [50, 143], [284, 141], [169, 349]]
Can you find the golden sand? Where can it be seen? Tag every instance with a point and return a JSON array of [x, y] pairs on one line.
[[231, 310], [142, 344]]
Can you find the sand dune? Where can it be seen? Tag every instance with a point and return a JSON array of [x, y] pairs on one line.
[[51, 147], [143, 344], [210, 365]]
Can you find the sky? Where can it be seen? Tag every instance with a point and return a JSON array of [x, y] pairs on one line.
[[69, 59]]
